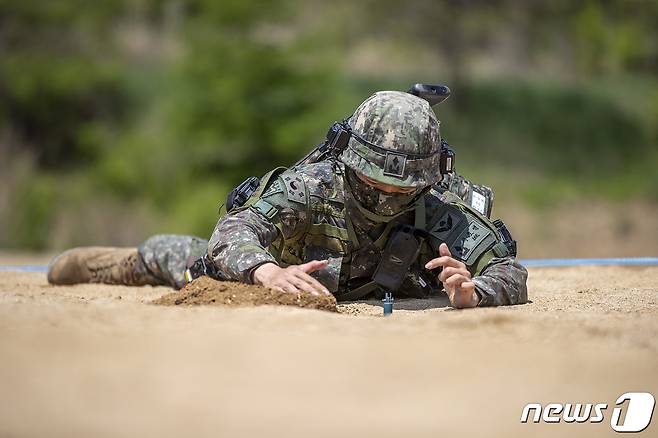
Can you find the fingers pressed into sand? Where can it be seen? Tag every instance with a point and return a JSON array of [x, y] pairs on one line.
[[289, 287], [303, 285], [314, 284]]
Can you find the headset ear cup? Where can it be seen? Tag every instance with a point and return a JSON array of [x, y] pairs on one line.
[[342, 139], [338, 136], [447, 159]]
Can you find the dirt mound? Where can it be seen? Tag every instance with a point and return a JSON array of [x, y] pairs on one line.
[[207, 291]]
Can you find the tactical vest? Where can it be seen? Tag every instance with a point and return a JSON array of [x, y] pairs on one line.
[[353, 254]]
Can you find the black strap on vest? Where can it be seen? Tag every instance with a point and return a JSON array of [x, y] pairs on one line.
[[401, 250]]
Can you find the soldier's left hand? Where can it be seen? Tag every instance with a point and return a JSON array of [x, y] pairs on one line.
[[455, 278]]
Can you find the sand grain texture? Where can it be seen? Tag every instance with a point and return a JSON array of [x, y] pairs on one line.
[[98, 360]]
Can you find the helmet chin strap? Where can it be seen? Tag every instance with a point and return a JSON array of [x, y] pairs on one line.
[[380, 217]]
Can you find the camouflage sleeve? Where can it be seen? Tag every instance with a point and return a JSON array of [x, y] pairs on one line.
[[241, 240], [499, 279], [502, 282], [238, 244]]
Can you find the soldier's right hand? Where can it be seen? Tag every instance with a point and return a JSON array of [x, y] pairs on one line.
[[294, 278]]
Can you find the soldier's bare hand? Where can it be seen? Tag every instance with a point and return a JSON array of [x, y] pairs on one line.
[[455, 278], [293, 279]]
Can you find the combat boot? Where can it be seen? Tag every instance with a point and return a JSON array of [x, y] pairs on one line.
[[100, 265]]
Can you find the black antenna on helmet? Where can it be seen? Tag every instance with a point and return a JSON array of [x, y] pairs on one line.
[[434, 94]]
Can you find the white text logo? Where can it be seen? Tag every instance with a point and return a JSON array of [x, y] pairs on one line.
[[632, 412]]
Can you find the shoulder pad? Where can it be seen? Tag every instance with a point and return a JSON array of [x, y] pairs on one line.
[[284, 204], [473, 241], [287, 192], [466, 233]]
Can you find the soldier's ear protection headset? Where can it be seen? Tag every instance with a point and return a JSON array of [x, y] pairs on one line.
[[339, 133]]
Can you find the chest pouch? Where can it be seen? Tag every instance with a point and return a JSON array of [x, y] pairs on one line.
[[399, 254]]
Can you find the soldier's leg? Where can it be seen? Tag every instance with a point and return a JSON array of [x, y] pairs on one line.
[[161, 260], [98, 264], [166, 255]]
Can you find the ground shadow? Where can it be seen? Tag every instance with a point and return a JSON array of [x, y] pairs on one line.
[[435, 302]]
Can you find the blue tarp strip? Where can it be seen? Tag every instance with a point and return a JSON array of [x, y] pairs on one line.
[[24, 268], [629, 261]]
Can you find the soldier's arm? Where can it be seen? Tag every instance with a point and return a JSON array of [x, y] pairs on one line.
[[502, 282], [478, 267], [241, 240]]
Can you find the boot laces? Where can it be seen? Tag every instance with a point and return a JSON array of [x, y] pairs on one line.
[[126, 270]]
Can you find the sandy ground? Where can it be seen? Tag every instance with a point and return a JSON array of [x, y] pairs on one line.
[[583, 229], [100, 361]]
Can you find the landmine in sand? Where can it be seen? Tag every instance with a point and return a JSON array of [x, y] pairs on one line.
[[208, 291]]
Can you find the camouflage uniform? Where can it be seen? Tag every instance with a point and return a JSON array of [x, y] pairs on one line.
[[315, 224], [166, 256], [322, 211]]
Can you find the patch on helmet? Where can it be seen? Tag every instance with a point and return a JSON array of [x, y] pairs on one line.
[[394, 164]]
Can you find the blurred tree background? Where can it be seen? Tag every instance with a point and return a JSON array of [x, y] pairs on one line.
[[123, 118]]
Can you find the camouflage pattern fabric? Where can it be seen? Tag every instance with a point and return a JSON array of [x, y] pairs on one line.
[[500, 284], [166, 255], [395, 140], [317, 221], [377, 201], [478, 196]]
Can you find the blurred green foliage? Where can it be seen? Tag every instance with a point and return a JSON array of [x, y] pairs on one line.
[[156, 109]]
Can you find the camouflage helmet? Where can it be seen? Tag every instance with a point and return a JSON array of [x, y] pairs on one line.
[[395, 140]]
